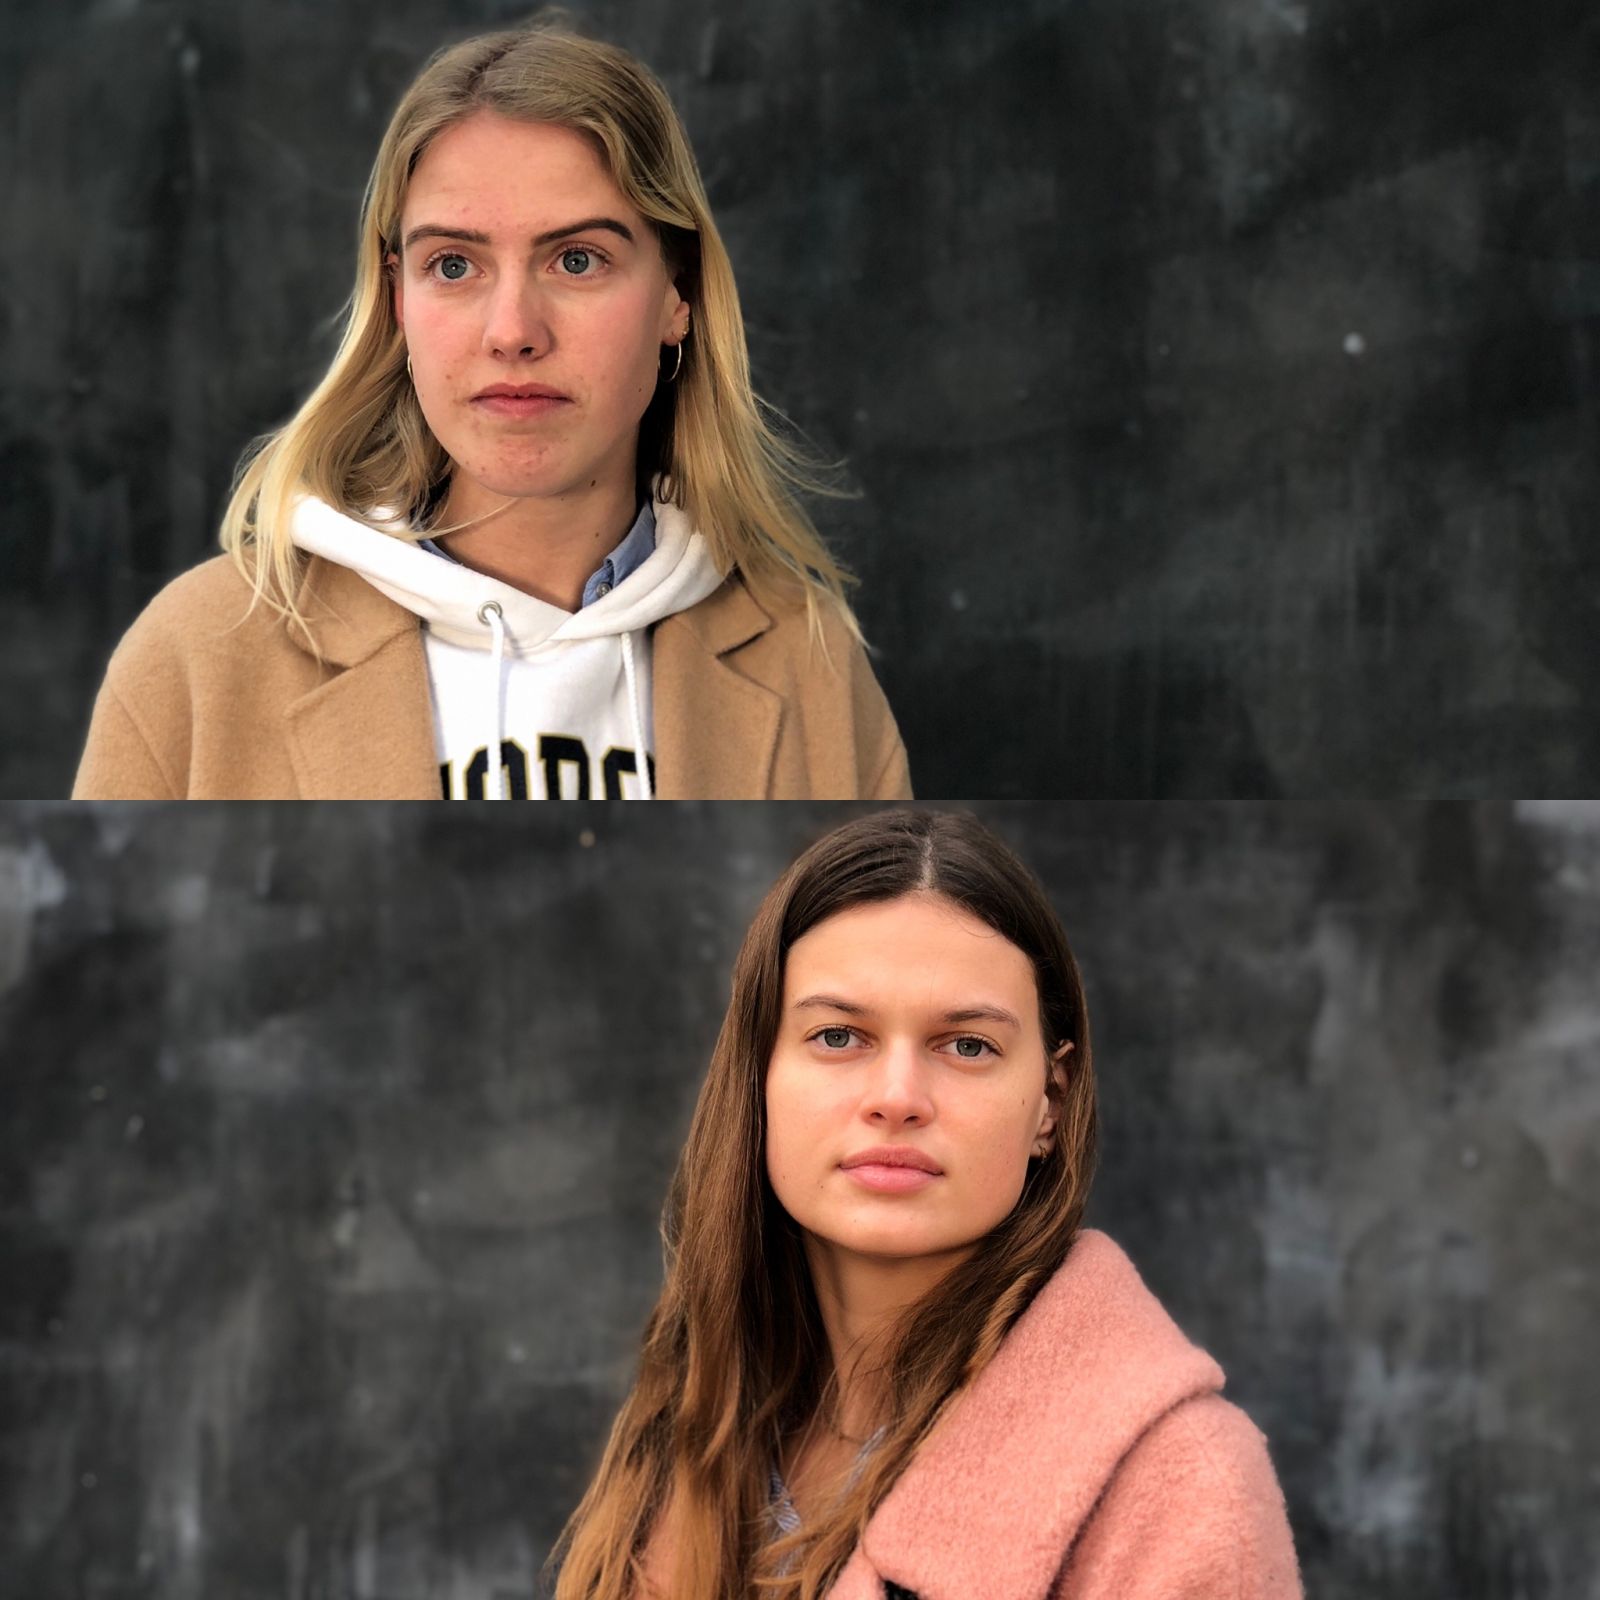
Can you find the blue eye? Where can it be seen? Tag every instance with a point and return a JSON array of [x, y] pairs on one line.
[[452, 268], [582, 257], [835, 1038]]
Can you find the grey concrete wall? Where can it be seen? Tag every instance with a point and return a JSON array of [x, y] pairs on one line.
[[1219, 375], [332, 1142]]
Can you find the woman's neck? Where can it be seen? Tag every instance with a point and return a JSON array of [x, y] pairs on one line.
[[862, 1298], [546, 547]]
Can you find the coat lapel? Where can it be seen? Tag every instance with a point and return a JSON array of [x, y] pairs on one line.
[[716, 731], [1007, 1478], [366, 731]]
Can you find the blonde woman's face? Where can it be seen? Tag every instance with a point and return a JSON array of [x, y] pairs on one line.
[[909, 1034], [523, 265]]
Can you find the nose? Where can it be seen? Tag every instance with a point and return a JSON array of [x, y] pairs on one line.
[[515, 324], [896, 1092]]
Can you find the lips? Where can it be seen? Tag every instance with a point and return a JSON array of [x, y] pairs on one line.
[[892, 1155], [519, 401], [519, 391], [892, 1169]]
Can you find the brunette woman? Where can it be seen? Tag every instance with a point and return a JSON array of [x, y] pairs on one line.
[[887, 1359], [532, 535]]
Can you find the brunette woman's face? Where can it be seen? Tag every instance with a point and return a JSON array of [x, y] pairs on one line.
[[910, 1031], [522, 264]]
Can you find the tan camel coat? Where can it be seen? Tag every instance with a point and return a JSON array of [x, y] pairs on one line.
[[204, 701]]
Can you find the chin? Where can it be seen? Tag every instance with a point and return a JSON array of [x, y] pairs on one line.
[[554, 473], [898, 1244]]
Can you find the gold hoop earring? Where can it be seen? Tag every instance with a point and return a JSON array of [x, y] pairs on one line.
[[677, 366], [409, 373]]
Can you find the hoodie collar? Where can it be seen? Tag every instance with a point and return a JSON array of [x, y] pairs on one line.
[[349, 620], [450, 599], [1017, 1463]]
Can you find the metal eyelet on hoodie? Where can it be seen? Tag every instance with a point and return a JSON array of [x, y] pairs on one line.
[[494, 619]]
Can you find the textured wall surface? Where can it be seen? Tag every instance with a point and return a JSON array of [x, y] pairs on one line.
[[1220, 375], [332, 1142]]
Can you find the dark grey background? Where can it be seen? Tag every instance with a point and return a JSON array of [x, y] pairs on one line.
[[332, 1142], [1220, 375]]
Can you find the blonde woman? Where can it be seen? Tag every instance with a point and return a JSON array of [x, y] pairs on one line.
[[888, 1360], [532, 535]]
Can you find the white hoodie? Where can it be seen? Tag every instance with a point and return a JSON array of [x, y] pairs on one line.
[[564, 695]]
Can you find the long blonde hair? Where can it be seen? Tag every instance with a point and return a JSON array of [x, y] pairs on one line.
[[735, 1358], [360, 441]]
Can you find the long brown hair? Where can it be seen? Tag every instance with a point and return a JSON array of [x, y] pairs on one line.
[[735, 1356]]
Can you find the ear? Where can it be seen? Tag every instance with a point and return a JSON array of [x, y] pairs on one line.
[[391, 266], [1055, 1086], [676, 312]]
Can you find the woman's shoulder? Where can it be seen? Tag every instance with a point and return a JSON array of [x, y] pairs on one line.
[[1194, 1508], [195, 610], [1214, 1438], [1189, 1503], [1099, 1427], [802, 642], [212, 616], [789, 626], [808, 652], [189, 653]]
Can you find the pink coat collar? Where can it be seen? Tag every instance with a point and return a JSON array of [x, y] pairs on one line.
[[1018, 1462]]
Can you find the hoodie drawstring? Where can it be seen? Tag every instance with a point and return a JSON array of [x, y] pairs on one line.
[[631, 675], [490, 614]]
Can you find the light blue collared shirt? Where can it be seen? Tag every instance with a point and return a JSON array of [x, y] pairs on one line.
[[637, 545]]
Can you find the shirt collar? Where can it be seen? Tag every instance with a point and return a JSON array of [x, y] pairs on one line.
[[638, 543]]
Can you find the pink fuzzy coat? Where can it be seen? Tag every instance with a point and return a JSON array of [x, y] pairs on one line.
[[1093, 1459]]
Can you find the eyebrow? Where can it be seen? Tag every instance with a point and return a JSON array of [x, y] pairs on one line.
[[831, 1002], [432, 230]]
